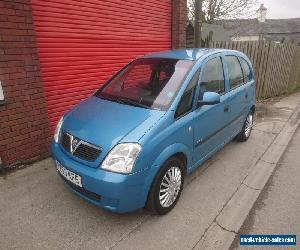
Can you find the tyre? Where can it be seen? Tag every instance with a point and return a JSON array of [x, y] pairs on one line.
[[166, 187], [247, 128]]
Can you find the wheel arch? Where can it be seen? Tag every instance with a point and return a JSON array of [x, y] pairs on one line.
[[179, 150], [183, 158]]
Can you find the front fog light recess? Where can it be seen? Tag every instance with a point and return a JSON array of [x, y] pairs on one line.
[[121, 158]]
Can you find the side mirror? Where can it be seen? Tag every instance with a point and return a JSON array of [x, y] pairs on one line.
[[209, 98]]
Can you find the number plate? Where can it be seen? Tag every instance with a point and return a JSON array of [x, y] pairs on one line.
[[69, 175]]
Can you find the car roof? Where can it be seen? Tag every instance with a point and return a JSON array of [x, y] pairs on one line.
[[185, 54]]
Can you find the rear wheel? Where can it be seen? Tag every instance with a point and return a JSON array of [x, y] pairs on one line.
[[247, 128], [167, 187]]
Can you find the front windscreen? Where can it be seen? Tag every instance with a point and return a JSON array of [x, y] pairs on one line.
[[148, 82]]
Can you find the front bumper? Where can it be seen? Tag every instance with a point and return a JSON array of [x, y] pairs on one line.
[[116, 192]]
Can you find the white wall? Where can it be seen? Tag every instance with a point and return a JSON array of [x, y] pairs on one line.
[[245, 38]]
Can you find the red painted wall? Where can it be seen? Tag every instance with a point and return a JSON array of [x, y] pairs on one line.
[[82, 43]]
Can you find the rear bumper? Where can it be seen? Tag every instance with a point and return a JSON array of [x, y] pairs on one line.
[[115, 192]]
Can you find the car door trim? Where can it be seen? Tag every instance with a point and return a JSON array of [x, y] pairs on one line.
[[201, 141]]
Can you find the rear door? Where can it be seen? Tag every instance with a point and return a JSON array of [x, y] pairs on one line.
[[237, 94], [249, 82]]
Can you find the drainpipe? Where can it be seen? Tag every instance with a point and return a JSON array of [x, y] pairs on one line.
[[198, 23], [1, 167]]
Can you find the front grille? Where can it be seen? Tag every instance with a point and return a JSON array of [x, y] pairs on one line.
[[81, 149], [86, 152], [65, 141]]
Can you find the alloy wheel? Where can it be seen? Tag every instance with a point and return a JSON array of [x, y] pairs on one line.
[[248, 125], [170, 187]]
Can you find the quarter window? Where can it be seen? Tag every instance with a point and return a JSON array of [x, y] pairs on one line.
[[246, 70], [235, 71], [186, 103], [212, 79]]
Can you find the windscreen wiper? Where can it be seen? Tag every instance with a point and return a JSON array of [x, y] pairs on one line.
[[133, 103], [124, 101]]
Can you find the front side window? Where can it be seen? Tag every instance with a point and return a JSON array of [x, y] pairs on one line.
[[246, 70], [212, 79], [147, 82], [235, 71]]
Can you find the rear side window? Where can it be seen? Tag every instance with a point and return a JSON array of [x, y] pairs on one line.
[[246, 70], [235, 71], [212, 79]]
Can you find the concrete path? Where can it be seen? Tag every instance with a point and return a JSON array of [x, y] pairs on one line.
[[277, 211], [38, 211]]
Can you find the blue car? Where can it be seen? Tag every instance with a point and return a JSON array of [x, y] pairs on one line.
[[131, 144]]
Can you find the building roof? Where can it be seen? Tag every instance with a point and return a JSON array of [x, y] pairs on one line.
[[184, 54], [252, 27]]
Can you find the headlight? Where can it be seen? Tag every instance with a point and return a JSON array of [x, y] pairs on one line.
[[57, 130], [121, 158]]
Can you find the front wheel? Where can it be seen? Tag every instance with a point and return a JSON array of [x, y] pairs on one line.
[[247, 128], [167, 187]]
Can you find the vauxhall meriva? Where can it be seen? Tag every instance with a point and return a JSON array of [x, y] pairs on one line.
[[132, 142]]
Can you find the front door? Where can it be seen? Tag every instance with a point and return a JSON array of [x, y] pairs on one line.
[[210, 121]]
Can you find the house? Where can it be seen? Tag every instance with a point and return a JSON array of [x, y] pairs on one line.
[[262, 28], [213, 32], [56, 53], [278, 30]]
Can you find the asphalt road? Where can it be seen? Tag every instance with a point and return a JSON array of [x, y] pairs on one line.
[[39, 212], [277, 210]]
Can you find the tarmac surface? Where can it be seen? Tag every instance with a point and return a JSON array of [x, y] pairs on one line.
[[277, 210]]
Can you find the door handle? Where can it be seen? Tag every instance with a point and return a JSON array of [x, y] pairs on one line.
[[246, 95], [226, 108]]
